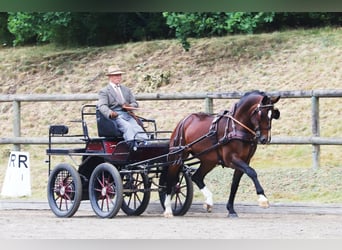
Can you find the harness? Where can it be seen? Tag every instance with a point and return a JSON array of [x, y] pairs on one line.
[[231, 133], [230, 129]]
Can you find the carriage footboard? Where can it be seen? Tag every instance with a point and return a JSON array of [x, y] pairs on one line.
[[64, 151]]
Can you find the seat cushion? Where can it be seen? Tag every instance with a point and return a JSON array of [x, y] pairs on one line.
[[106, 127]]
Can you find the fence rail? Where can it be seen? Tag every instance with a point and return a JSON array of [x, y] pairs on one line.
[[315, 140]]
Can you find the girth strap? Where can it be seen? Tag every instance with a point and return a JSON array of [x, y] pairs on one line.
[[230, 132], [214, 135]]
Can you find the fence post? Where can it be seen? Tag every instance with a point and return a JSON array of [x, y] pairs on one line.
[[315, 131], [209, 105], [16, 123]]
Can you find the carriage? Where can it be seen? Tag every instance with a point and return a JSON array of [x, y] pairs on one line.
[[115, 174], [112, 173]]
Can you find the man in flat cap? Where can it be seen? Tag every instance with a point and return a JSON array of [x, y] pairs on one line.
[[116, 102]]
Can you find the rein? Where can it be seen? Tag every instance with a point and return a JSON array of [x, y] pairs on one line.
[[241, 124]]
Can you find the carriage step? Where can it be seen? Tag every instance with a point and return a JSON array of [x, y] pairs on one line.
[[64, 151]]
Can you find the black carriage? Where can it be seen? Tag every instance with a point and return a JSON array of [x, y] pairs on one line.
[[112, 174]]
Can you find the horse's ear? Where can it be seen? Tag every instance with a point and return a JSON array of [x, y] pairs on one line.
[[265, 100], [275, 99], [275, 114]]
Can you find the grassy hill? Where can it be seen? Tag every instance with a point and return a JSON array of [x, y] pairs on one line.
[[289, 60]]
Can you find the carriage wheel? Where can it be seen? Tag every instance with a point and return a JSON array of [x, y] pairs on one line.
[[105, 190], [64, 190], [136, 194], [181, 196]]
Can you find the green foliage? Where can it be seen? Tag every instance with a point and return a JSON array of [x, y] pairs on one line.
[[214, 24], [105, 28], [36, 27], [77, 28]]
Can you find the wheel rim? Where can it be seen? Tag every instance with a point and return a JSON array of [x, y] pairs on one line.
[[132, 187], [64, 190], [104, 191], [136, 193], [179, 193]]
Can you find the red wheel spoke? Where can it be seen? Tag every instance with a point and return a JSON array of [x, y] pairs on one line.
[[67, 197], [100, 182], [107, 202], [178, 200], [60, 202], [103, 179], [66, 204], [102, 203]]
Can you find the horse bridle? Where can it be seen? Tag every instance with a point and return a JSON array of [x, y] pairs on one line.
[[258, 111], [257, 131]]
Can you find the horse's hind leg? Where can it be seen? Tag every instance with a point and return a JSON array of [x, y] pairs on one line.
[[171, 180], [198, 178]]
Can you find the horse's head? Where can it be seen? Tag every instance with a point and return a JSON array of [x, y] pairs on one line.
[[257, 112], [262, 116]]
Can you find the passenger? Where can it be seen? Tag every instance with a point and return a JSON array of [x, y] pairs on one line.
[[117, 102]]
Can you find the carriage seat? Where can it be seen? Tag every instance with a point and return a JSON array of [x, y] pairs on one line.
[[61, 131], [107, 128]]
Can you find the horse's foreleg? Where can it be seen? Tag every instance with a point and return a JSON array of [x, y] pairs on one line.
[[198, 179], [245, 168], [234, 187]]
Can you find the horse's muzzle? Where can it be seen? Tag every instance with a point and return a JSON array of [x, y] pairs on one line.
[[263, 140]]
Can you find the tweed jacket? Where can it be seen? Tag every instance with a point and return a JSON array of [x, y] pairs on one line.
[[107, 100]]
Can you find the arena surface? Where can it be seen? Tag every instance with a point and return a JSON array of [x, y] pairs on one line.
[[34, 220]]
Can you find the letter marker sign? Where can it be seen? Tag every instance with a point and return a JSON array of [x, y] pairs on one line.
[[17, 179]]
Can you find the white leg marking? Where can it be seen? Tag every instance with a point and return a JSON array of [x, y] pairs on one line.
[[168, 209], [263, 201], [208, 204]]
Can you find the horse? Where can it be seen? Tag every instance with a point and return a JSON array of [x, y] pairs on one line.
[[229, 139]]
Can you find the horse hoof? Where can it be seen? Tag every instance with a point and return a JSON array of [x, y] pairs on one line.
[[168, 215], [234, 215], [263, 202], [207, 207]]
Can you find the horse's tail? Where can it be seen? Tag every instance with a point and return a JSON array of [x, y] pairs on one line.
[[177, 138], [177, 147]]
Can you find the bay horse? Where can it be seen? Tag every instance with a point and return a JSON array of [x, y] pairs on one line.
[[229, 139]]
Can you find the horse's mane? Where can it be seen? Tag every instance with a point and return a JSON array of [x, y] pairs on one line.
[[202, 115], [247, 94], [257, 92]]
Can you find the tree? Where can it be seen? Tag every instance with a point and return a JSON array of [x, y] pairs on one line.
[[105, 28], [36, 27], [214, 24], [86, 29]]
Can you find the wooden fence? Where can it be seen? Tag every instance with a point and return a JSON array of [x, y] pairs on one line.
[[315, 140]]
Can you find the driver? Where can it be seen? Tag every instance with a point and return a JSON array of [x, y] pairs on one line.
[[116, 102]]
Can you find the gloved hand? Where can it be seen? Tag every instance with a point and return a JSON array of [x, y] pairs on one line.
[[113, 115]]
